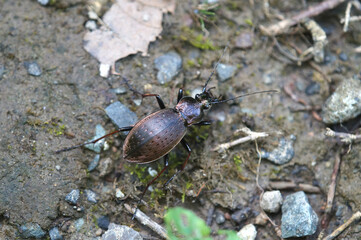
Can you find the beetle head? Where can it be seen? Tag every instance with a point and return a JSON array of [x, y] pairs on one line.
[[206, 98]]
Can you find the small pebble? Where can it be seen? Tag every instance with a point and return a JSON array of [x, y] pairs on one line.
[[78, 224], [268, 79], [91, 25], [55, 234], [121, 115], [99, 132], [94, 163], [220, 219], [196, 91], [104, 70], [152, 172], [119, 193], [248, 232], [300, 85], [44, 2], [271, 201], [313, 88], [73, 196], [137, 101], [343, 57], [244, 40], [105, 167], [283, 153], [57, 167], [121, 232], [344, 103], [103, 222], [98, 232], [339, 211], [119, 90], [241, 215], [225, 71], [168, 66], [33, 68], [298, 217], [91, 196], [31, 230]]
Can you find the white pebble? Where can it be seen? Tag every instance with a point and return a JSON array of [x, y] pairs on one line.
[[248, 232], [271, 201]]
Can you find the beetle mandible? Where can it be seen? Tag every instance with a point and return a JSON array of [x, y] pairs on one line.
[[156, 135]]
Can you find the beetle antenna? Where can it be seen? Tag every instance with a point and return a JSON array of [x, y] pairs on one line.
[[214, 69], [248, 94]]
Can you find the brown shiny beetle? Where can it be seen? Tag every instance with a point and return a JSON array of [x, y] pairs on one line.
[[156, 135]]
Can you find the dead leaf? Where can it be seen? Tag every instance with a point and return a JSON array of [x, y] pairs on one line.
[[129, 27]]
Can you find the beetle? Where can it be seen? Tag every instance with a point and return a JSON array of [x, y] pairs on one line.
[[157, 134]]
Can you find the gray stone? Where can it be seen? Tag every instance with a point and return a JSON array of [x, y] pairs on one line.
[[283, 153], [241, 215], [94, 163], [343, 56], [168, 66], [313, 88], [103, 222], [91, 196], [78, 224], [120, 232], [298, 217], [225, 71], [345, 103], [105, 167], [73, 196], [33, 68], [99, 132], [31, 230], [121, 115], [55, 234], [271, 201], [244, 40], [220, 219]]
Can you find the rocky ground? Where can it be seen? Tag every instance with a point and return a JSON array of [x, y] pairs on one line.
[[52, 97]]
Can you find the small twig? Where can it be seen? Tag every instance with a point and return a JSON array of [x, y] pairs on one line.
[[145, 220], [275, 226], [283, 25], [352, 19], [331, 191], [354, 218], [251, 136], [318, 69], [347, 17], [296, 186], [345, 137]]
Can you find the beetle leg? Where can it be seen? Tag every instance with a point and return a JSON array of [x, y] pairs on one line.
[[189, 150], [166, 157], [203, 123], [180, 95], [96, 140], [159, 99]]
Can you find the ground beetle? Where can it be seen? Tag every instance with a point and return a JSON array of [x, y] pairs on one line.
[[156, 135]]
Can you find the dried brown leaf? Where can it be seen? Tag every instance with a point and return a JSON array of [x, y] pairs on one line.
[[129, 27]]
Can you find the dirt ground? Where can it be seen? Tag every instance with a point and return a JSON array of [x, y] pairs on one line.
[[62, 106]]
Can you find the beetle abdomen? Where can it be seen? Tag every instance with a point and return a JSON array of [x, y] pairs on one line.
[[154, 136]]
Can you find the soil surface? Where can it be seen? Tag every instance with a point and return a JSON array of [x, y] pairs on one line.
[[62, 106]]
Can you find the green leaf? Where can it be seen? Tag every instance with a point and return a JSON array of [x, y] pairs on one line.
[[184, 224], [231, 235]]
